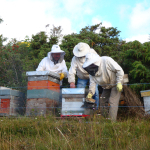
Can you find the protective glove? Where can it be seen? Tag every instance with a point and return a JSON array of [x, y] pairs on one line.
[[72, 85], [89, 98], [119, 87], [62, 75], [89, 95]]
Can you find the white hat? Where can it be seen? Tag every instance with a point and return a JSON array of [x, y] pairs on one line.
[[91, 58], [81, 49], [56, 49]]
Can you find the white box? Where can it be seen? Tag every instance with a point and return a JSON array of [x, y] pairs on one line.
[[72, 100]]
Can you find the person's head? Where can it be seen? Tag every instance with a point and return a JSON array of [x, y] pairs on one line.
[[56, 54], [81, 49], [91, 63]]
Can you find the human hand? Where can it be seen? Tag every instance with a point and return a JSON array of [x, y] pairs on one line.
[[119, 87], [62, 75], [89, 95], [72, 85]]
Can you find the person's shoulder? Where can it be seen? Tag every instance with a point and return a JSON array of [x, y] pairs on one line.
[[92, 51], [45, 58], [74, 58], [107, 58], [63, 61]]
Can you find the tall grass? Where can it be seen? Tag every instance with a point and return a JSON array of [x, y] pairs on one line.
[[39, 133]]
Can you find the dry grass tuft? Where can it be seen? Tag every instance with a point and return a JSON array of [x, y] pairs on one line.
[[133, 103]]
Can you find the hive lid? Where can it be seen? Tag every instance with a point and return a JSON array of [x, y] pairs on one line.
[[3, 88], [11, 92], [145, 93], [73, 90], [42, 73]]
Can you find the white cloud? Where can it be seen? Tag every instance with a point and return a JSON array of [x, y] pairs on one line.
[[27, 17], [140, 38], [96, 20], [140, 19], [124, 11], [78, 7]]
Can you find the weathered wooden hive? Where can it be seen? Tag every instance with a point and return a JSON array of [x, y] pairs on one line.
[[146, 99], [12, 102], [72, 102], [43, 92]]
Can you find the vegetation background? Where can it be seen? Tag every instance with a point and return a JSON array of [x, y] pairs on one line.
[[18, 57]]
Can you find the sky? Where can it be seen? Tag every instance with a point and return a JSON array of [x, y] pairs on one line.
[[26, 17]]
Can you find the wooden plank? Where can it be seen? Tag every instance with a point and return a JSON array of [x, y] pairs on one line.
[[40, 78], [44, 73], [4, 114], [43, 93], [147, 93], [4, 107], [11, 92], [16, 105], [125, 78], [73, 95], [73, 99], [44, 84], [40, 106]]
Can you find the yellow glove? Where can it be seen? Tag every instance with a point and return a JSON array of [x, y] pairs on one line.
[[119, 87], [62, 75], [89, 95]]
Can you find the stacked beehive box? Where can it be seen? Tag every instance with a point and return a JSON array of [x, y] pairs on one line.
[[43, 92], [12, 102], [146, 99], [72, 102]]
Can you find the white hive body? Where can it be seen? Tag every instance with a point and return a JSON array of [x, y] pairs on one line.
[[72, 100]]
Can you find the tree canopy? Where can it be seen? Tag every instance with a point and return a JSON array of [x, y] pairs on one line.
[[18, 57]]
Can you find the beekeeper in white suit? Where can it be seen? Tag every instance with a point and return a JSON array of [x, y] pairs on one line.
[[107, 73], [54, 62], [79, 51]]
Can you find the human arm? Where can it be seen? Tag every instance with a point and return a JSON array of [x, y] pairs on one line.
[[115, 67], [72, 71], [92, 86], [41, 66], [64, 72]]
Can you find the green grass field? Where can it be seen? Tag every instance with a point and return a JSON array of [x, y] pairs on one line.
[[39, 133]]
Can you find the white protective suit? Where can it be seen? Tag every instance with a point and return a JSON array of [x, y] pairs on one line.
[[47, 63], [108, 75], [76, 66]]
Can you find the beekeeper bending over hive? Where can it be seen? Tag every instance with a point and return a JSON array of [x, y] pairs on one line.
[[79, 51], [107, 73], [54, 62]]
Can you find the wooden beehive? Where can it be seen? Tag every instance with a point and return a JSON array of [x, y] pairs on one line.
[[72, 102], [12, 102], [43, 92], [146, 99]]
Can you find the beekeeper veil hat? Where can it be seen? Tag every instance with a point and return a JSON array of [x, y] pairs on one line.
[[81, 49], [56, 49], [91, 58]]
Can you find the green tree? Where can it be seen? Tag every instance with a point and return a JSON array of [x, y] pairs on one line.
[[105, 41], [41, 45], [2, 39], [13, 60], [136, 62]]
